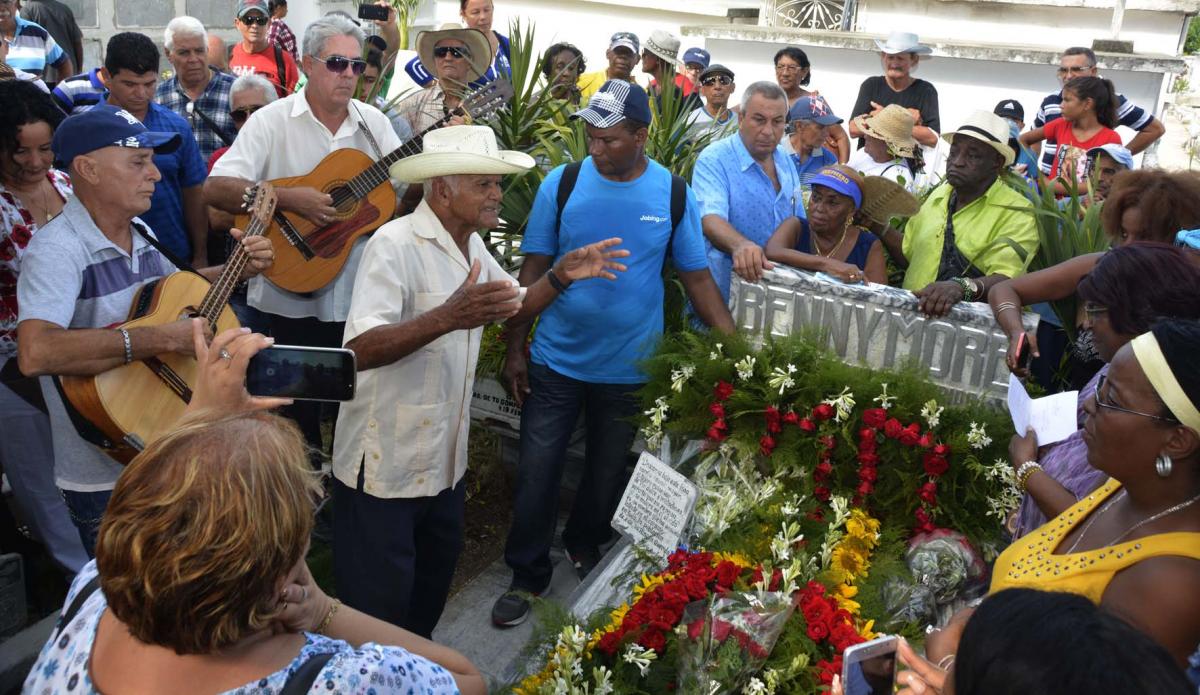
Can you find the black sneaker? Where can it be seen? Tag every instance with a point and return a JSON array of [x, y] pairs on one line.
[[511, 609], [584, 560]]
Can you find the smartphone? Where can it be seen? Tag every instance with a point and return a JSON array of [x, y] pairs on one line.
[[303, 373], [870, 668], [1024, 352], [378, 12]]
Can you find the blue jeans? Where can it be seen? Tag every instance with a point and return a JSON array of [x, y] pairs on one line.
[[86, 508], [547, 420]]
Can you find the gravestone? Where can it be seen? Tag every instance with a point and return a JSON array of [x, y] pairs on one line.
[[879, 326]]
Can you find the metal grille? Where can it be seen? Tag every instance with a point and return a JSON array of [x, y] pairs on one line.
[[828, 15]]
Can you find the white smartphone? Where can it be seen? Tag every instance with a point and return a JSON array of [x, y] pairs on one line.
[[870, 668]]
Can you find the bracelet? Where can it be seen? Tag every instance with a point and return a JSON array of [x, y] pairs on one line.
[[1026, 470], [968, 289], [555, 282], [333, 609], [946, 662], [128, 345], [1005, 306]]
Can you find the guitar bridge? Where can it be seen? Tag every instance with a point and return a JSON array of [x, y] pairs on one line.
[[293, 236]]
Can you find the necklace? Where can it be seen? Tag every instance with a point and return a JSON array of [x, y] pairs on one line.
[[1166, 512], [45, 202], [835, 247]]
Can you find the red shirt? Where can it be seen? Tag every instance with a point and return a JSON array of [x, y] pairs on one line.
[[681, 81], [264, 63], [1070, 153]]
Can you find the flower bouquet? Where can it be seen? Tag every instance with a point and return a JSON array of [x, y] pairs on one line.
[[728, 639]]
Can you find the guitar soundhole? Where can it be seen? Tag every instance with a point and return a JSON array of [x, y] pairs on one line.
[[343, 199]]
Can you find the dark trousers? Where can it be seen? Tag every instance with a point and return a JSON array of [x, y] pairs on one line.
[[394, 558], [85, 509], [547, 420], [312, 333]]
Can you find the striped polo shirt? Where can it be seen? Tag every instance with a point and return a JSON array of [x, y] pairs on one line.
[[32, 48], [79, 93], [73, 276]]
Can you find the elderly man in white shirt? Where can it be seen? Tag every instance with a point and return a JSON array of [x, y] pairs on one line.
[[425, 289], [290, 137]]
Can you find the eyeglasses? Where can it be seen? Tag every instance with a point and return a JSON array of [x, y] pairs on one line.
[[338, 64], [1093, 311], [457, 52], [1111, 406], [239, 116], [250, 20], [1075, 69], [787, 68], [717, 79]]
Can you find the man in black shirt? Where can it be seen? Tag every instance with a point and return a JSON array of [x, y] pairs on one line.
[[900, 55]]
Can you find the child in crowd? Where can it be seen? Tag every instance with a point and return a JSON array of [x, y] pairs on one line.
[[1089, 114], [889, 149]]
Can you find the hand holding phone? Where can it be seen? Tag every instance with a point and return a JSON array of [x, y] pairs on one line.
[[870, 668], [1024, 352], [377, 13], [303, 373]]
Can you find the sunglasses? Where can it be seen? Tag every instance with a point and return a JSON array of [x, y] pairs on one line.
[[239, 116], [249, 20], [338, 64], [716, 79], [456, 51]]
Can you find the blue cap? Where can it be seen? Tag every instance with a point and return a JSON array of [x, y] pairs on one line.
[[813, 108], [105, 125], [697, 55], [1121, 155], [830, 177], [614, 102], [417, 71], [1188, 239]]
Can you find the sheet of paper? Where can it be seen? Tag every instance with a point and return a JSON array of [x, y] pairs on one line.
[[1053, 418], [656, 505]]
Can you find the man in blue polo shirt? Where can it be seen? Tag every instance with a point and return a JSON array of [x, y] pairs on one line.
[[177, 213], [747, 185], [590, 342], [31, 47]]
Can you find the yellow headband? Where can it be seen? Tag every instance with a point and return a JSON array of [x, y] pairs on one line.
[[1149, 356]]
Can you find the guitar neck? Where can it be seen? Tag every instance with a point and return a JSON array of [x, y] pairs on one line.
[[218, 294], [377, 173]]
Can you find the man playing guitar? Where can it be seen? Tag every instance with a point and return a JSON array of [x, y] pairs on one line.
[[79, 276], [290, 137]]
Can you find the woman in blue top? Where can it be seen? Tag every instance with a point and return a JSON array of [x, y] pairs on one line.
[[831, 242], [200, 583]]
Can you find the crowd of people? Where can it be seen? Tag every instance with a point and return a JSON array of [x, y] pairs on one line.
[[189, 562]]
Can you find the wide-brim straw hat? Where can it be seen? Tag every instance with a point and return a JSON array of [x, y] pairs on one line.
[[473, 39], [988, 128], [665, 45], [894, 125], [457, 150], [884, 199], [902, 42]]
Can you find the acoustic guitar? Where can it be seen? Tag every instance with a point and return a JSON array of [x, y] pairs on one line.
[[127, 407], [308, 256]]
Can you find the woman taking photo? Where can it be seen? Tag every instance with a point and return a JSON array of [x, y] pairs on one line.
[[32, 192], [200, 583], [831, 242]]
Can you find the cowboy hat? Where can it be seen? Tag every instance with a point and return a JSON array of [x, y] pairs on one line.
[[989, 128], [902, 42], [476, 43], [460, 149], [894, 125], [884, 199]]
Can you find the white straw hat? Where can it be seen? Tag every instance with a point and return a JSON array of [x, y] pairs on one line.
[[473, 39], [894, 125], [989, 128], [460, 149], [902, 42]]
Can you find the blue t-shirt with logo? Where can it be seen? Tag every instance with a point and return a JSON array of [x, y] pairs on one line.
[[599, 331]]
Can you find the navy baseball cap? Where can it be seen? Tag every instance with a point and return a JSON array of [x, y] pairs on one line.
[[105, 125], [628, 40], [614, 102], [1010, 108], [247, 6], [813, 108], [697, 55]]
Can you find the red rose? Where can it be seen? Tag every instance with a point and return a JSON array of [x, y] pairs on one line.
[[823, 469], [674, 596], [719, 424], [727, 574], [866, 434], [868, 473], [696, 628], [822, 493], [696, 587], [817, 631], [828, 442], [721, 630], [892, 428], [935, 465], [677, 558], [776, 580], [816, 515], [714, 434], [774, 420], [874, 417], [653, 639], [924, 523], [910, 435], [661, 619], [723, 390], [843, 636], [868, 459], [807, 425], [926, 440], [928, 492], [824, 411], [865, 488], [791, 418], [766, 445], [941, 450], [717, 410], [610, 642]]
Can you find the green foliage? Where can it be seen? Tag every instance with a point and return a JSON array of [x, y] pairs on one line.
[[1191, 44]]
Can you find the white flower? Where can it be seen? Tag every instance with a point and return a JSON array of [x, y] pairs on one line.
[[782, 379], [843, 403], [755, 687], [932, 413], [745, 367], [718, 353], [714, 687], [653, 430], [639, 657], [603, 678], [883, 399], [977, 437], [680, 376]]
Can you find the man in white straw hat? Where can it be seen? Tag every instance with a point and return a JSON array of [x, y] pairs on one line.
[[958, 245], [900, 55], [456, 57], [425, 289]]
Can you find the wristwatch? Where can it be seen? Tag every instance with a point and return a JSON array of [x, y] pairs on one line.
[[971, 289]]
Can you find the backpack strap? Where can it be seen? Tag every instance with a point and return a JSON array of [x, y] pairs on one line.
[[678, 209], [280, 70], [565, 185], [76, 604], [302, 679]]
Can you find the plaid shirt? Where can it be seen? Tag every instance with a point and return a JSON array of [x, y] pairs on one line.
[[215, 104], [280, 33]]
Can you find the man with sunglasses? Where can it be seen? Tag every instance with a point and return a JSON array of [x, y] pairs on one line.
[[716, 85], [288, 138], [458, 57], [1079, 61], [255, 54], [197, 92]]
